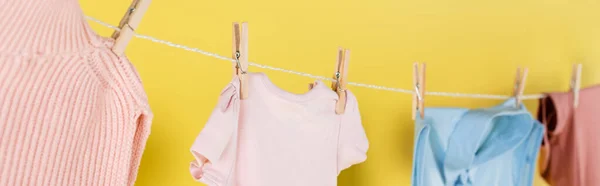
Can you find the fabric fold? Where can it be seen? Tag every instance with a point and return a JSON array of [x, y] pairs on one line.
[[482, 135]]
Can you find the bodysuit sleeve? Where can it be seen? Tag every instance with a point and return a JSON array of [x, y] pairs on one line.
[[353, 143], [214, 148]]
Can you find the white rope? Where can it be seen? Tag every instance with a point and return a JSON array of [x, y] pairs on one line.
[[377, 87]]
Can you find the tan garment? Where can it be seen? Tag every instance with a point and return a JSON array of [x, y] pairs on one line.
[[572, 142]]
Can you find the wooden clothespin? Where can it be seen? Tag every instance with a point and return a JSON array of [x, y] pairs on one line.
[[341, 75], [240, 55], [128, 24], [418, 104], [520, 85], [576, 84]]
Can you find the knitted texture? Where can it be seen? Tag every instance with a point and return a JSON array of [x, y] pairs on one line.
[[71, 111]]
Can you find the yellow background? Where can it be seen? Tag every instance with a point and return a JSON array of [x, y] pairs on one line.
[[470, 46]]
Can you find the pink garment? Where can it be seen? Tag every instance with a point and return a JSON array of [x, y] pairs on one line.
[[572, 140], [71, 112], [275, 138]]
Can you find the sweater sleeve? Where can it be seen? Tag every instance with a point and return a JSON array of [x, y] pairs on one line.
[[143, 120]]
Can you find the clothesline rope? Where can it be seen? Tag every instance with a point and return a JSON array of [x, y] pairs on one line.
[[377, 87]]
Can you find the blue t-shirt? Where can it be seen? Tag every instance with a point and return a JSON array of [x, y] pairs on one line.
[[482, 147]]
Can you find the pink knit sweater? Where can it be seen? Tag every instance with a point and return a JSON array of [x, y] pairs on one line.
[[71, 111]]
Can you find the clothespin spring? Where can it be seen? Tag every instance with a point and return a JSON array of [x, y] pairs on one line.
[[418, 93], [238, 64], [338, 84]]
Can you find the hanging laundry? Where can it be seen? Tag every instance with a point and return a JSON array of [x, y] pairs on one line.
[[571, 143], [275, 138], [481, 147], [72, 112]]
